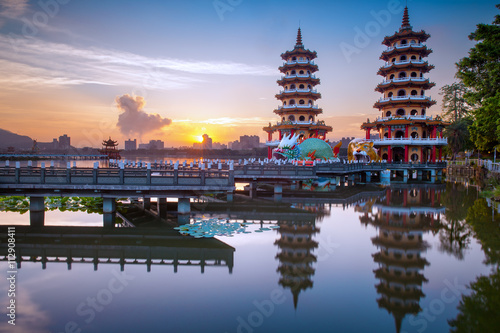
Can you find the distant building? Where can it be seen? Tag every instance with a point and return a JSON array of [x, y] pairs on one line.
[[246, 142], [218, 145], [131, 144], [143, 145], [156, 144], [205, 144], [64, 142]]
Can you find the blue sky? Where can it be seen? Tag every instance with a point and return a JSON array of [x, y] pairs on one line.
[[209, 66]]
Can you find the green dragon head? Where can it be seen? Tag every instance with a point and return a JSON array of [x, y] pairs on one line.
[[288, 148]]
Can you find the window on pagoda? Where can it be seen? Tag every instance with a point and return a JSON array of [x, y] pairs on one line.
[[302, 102], [421, 74], [387, 114], [301, 86], [424, 135], [414, 157], [421, 93], [414, 135], [402, 92], [301, 72], [294, 58], [292, 101], [414, 93], [400, 112], [302, 118], [284, 103], [413, 57], [391, 77], [385, 156], [402, 75], [399, 134], [423, 112], [404, 42], [308, 73], [292, 86], [413, 41], [414, 112], [390, 94], [311, 118], [402, 58], [309, 87], [413, 74], [393, 60], [291, 118], [294, 72], [310, 102], [284, 118]]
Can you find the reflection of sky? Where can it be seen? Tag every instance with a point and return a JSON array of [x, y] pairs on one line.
[[343, 297]]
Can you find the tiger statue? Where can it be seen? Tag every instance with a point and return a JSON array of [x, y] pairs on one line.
[[362, 150]]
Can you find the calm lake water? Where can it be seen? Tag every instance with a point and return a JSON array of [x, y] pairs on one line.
[[397, 261]]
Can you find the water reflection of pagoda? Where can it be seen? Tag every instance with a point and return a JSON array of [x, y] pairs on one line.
[[402, 217], [296, 257], [109, 149]]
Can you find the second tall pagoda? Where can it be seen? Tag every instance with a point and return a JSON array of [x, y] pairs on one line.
[[298, 112]]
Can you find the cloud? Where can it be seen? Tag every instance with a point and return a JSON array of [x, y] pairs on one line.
[[34, 62], [13, 8], [134, 120]]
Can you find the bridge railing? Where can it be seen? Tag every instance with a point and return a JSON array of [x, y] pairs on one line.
[[113, 176]]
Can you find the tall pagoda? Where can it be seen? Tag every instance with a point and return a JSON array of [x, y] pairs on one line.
[[405, 131], [299, 111]]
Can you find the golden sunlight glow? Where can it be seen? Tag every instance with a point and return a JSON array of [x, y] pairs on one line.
[[199, 138]]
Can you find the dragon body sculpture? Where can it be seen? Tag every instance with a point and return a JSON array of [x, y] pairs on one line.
[[308, 150]]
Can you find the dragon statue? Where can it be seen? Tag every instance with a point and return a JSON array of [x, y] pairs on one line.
[[308, 150], [362, 150]]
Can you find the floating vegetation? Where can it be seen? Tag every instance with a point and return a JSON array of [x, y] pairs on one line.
[[72, 204], [216, 227]]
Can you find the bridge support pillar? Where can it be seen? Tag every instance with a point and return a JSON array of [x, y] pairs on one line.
[[419, 175], [278, 192], [433, 175], [230, 196], [109, 212], [146, 203], [37, 211], [183, 210], [342, 181], [162, 208], [253, 190], [439, 175], [350, 181], [405, 175], [368, 176]]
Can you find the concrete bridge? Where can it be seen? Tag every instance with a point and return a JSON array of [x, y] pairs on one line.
[[123, 246], [183, 182]]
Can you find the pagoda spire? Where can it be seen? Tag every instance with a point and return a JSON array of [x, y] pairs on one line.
[[299, 39], [406, 21]]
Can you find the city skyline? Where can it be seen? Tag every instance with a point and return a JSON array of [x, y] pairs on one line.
[[96, 69]]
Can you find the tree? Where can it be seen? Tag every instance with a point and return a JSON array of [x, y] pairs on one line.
[[454, 104], [458, 136], [480, 72]]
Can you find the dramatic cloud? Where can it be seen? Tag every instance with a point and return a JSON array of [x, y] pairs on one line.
[[134, 120], [13, 8], [28, 62]]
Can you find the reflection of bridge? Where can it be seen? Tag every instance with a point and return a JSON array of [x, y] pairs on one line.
[[123, 246]]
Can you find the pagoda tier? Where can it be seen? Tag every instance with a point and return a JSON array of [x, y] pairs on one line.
[[306, 79], [401, 49], [410, 65], [298, 112], [405, 132], [410, 82]]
